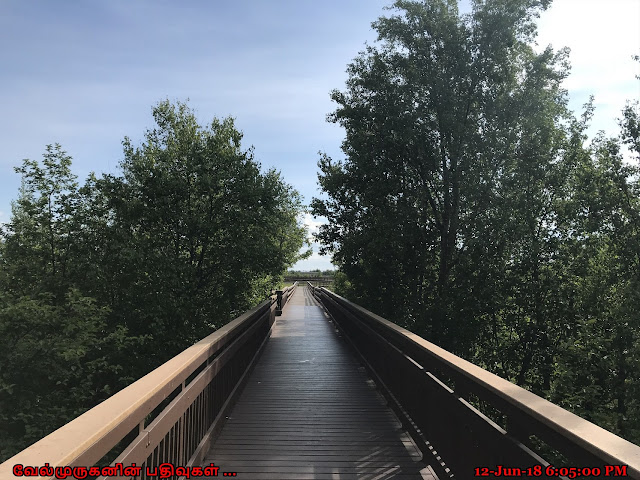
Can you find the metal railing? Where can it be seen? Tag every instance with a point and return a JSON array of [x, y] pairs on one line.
[[440, 396], [171, 415]]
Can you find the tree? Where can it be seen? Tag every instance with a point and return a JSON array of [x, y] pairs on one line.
[[100, 284], [472, 208], [201, 233], [58, 356], [41, 230], [601, 249], [445, 121]]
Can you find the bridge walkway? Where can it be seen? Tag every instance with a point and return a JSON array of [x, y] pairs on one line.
[[309, 411]]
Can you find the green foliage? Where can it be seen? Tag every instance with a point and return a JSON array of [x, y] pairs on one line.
[[99, 284], [196, 221], [37, 250], [55, 364], [471, 209], [436, 118], [342, 285]]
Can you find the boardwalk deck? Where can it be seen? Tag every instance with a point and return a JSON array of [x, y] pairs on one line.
[[309, 411]]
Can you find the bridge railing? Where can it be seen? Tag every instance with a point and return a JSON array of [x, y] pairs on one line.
[[439, 397], [317, 281], [282, 297], [171, 415]]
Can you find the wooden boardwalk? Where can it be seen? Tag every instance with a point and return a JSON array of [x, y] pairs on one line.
[[309, 411]]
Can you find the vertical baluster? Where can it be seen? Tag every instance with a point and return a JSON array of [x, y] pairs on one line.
[[201, 419], [187, 433], [196, 430], [181, 439], [174, 441]]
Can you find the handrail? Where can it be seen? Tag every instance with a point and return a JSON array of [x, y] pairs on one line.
[[415, 373], [282, 297], [199, 385], [323, 279]]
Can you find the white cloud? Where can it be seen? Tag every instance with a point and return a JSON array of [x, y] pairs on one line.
[[602, 36], [591, 28], [313, 225], [315, 261]]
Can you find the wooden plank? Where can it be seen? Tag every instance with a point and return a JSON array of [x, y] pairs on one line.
[[310, 411]]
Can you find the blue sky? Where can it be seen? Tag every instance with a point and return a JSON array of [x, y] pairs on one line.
[[85, 74]]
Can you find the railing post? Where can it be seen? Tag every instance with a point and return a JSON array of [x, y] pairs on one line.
[[279, 303]]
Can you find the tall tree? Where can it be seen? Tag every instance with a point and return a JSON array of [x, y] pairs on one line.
[[472, 208], [201, 233], [443, 119], [41, 230]]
